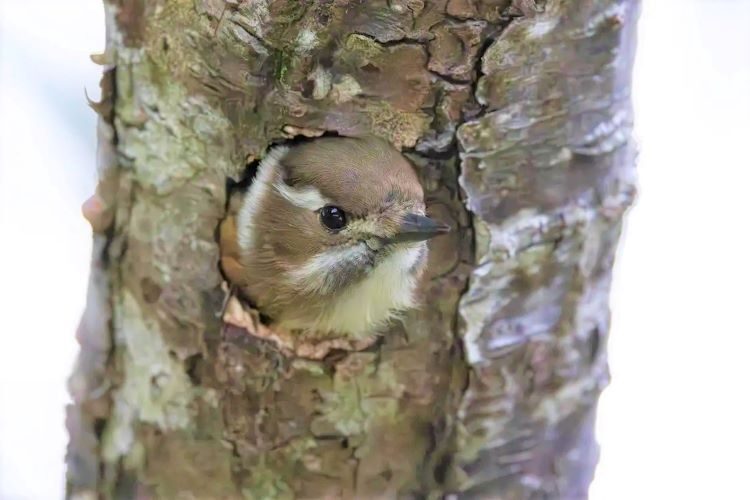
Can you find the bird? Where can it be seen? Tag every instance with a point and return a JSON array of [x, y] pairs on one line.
[[330, 238]]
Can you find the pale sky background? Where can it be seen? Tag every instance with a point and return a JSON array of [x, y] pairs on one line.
[[675, 422]]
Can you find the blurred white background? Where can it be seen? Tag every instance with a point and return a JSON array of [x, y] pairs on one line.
[[47, 145], [674, 424]]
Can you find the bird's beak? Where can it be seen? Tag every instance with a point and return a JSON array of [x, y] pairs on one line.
[[415, 227]]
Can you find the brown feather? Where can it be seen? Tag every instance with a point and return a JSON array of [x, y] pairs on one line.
[[367, 178]]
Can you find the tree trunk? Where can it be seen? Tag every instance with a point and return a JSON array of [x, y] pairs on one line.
[[517, 115]]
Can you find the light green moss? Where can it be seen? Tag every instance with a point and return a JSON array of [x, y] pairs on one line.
[[363, 46], [402, 128], [155, 388], [166, 134], [362, 399], [266, 484]]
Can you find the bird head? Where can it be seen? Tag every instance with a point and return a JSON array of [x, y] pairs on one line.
[[333, 217]]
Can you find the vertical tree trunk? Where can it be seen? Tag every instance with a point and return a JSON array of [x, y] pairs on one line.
[[517, 116]]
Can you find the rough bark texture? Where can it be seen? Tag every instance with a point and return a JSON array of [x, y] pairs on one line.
[[517, 115]]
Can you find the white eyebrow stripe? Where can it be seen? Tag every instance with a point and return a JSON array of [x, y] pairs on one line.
[[256, 196], [305, 197]]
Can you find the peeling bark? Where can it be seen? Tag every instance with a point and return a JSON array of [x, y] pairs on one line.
[[517, 115]]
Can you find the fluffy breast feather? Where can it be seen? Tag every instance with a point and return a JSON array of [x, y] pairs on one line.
[[362, 308]]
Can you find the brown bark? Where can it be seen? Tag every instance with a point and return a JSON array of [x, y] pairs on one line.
[[517, 115]]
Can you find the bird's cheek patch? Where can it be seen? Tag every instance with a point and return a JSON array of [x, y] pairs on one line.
[[330, 270]]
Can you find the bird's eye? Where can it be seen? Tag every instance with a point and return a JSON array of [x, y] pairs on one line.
[[332, 217]]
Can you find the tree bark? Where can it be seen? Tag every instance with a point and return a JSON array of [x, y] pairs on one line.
[[517, 115]]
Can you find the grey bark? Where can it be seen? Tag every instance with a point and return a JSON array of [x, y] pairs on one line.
[[518, 118]]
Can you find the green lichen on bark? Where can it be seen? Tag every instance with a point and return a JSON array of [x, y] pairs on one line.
[[487, 390]]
